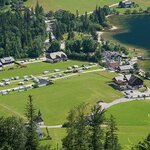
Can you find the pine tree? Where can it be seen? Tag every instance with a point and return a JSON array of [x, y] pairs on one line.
[[111, 139], [78, 131], [50, 37], [97, 133], [32, 136]]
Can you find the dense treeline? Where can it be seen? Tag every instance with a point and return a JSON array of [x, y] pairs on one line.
[[90, 131], [67, 22], [22, 33], [86, 48]]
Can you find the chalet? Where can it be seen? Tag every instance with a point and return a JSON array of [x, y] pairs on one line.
[[56, 57], [110, 55], [125, 69], [114, 59], [126, 4], [112, 65], [39, 118], [43, 82], [126, 82], [39, 131], [7, 61]]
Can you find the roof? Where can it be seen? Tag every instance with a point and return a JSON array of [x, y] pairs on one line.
[[55, 55], [126, 67], [113, 64], [120, 78], [110, 54], [6, 60], [130, 78], [128, 3], [135, 80]]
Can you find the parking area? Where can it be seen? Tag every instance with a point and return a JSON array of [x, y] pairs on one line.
[[136, 93]]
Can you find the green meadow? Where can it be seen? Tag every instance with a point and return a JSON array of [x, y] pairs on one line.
[[56, 100], [72, 5], [133, 121], [38, 68], [145, 64]]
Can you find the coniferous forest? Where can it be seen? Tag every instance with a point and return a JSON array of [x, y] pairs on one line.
[[22, 33]]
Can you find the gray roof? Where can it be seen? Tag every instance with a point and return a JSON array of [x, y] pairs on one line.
[[55, 55], [128, 3], [126, 67], [6, 60], [120, 78]]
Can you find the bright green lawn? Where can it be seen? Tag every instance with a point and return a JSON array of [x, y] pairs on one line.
[[57, 135], [72, 5], [131, 117], [56, 100], [133, 121], [38, 68]]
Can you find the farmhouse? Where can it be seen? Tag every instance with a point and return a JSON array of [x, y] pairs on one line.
[[43, 82], [125, 69], [114, 59], [56, 57], [7, 61], [112, 65], [110, 55], [39, 118], [130, 81], [126, 4]]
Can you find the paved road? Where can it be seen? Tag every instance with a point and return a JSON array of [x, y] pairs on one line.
[[118, 101], [53, 126]]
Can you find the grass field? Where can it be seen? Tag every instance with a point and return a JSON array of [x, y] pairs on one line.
[[145, 64], [38, 68], [56, 100], [71, 5], [133, 121]]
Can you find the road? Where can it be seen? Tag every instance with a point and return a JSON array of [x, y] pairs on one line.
[[118, 101]]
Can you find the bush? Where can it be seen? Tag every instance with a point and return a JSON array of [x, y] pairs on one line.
[[35, 85], [65, 125]]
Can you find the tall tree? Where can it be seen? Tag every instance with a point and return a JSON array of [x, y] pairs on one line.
[[78, 131], [97, 133], [32, 136], [12, 134], [111, 140]]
